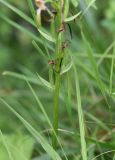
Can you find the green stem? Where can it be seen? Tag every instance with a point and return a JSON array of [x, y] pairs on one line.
[[56, 91], [56, 109], [58, 55]]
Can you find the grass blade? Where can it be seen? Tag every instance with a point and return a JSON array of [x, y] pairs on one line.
[[38, 49], [45, 83], [102, 154], [81, 117], [69, 19], [22, 77], [31, 7], [46, 36]]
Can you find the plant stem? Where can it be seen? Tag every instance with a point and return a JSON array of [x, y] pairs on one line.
[[56, 91], [58, 59], [58, 54], [56, 109]]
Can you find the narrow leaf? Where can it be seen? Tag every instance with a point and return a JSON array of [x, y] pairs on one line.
[[81, 117], [45, 83], [46, 36], [72, 17], [21, 76], [66, 68]]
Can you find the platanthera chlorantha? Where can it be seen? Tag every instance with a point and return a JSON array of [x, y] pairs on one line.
[[57, 34]]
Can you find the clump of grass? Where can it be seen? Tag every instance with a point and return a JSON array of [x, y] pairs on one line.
[[54, 45]]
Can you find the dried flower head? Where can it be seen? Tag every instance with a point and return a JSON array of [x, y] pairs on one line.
[[40, 4]]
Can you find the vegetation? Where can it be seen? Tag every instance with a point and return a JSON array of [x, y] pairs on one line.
[[57, 80]]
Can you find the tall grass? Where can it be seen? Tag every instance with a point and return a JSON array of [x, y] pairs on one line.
[[78, 80]]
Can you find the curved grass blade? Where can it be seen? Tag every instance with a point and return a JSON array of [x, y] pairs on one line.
[[22, 77], [45, 83], [66, 68], [69, 19], [38, 49], [102, 154], [46, 36], [31, 7], [81, 116]]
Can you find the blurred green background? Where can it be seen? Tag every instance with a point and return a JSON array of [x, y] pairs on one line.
[[17, 54]]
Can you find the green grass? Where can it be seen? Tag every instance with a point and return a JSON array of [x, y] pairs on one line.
[[57, 91]]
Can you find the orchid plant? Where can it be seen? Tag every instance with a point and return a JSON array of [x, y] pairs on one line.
[[58, 43], [58, 21]]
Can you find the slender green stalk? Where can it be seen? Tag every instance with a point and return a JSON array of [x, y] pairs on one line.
[[56, 109], [57, 88], [58, 60]]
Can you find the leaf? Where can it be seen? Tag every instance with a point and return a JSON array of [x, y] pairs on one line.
[[46, 36], [46, 146], [66, 68], [31, 7], [102, 154], [72, 17], [45, 83], [5, 152], [38, 49], [81, 117], [20, 76], [16, 146]]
